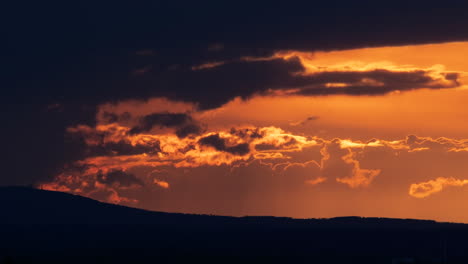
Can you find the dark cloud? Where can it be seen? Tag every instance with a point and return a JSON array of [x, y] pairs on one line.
[[412, 139], [376, 82], [219, 144], [122, 148], [119, 177], [97, 143], [188, 129], [223, 83], [82, 54], [162, 120], [183, 123], [114, 118], [90, 54], [246, 133], [312, 118], [305, 121], [244, 78]]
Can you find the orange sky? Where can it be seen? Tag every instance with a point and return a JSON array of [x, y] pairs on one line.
[[402, 154]]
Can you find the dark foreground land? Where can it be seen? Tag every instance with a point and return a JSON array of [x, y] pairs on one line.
[[50, 227]]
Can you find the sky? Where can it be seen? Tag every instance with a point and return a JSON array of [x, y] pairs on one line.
[[311, 112]]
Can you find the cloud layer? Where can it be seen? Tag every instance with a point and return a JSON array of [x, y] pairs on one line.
[[425, 189], [116, 147]]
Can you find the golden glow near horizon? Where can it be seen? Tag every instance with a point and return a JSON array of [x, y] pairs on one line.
[[402, 154]]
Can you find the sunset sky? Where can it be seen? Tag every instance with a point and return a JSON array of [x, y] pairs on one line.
[[282, 114]]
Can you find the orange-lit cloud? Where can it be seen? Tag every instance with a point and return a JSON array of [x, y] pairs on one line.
[[424, 189], [316, 181], [162, 184], [359, 177], [115, 149], [207, 65], [224, 147], [354, 74], [103, 187]]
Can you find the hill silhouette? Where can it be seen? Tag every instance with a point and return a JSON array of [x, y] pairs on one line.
[[38, 226]]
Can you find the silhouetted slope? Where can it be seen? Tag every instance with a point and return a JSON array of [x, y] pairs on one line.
[[50, 227], [31, 206]]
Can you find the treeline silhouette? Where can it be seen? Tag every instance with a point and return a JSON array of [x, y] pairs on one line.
[[39, 226]]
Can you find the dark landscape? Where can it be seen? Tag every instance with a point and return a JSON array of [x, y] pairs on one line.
[[51, 227]]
